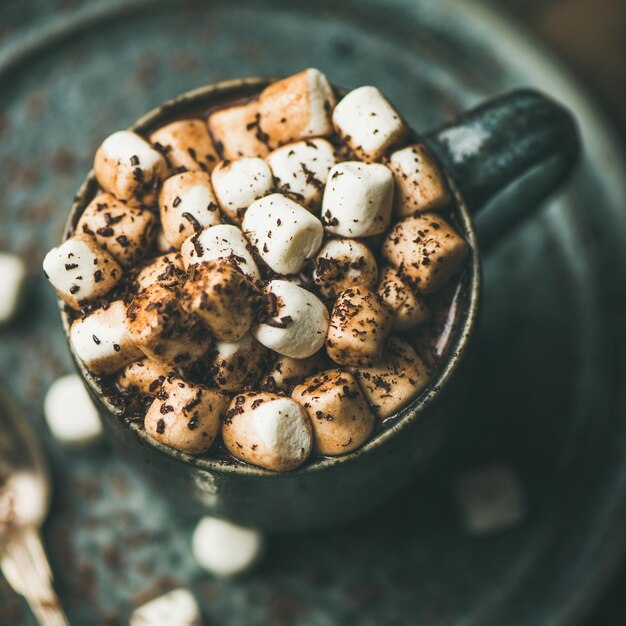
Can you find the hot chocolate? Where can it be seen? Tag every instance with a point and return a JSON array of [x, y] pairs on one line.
[[282, 275]]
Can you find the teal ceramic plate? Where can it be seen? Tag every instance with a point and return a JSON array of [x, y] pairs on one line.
[[545, 394]]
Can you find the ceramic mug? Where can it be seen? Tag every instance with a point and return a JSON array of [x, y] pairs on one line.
[[482, 152]]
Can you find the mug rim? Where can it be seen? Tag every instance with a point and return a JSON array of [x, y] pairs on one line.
[[401, 421]]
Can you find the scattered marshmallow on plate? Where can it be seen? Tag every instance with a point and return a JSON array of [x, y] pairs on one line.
[[175, 608], [70, 413], [225, 549], [12, 280], [490, 499]]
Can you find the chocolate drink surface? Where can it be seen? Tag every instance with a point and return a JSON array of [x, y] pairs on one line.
[[283, 274]]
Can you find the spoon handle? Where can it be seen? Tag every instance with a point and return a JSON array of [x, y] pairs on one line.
[[25, 566]]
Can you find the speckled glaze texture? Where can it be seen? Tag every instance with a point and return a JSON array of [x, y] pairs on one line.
[[484, 151], [543, 390]]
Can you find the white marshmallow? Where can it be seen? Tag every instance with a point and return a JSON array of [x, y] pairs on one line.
[[167, 268], [127, 166], [186, 144], [145, 377], [124, 144], [236, 131], [220, 242], [224, 298], [126, 233], [420, 183], [102, 341], [12, 279], [297, 107], [184, 416], [490, 499], [426, 250], [267, 430], [175, 608], [237, 364], [81, 271], [368, 123], [358, 199], [343, 263], [70, 414], [187, 205], [162, 245], [225, 549], [284, 233], [286, 372], [302, 168], [300, 325], [339, 414], [237, 184], [395, 380]]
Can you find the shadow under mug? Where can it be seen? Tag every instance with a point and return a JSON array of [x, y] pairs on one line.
[[482, 152]]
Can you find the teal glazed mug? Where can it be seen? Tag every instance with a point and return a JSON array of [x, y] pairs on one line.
[[483, 152]]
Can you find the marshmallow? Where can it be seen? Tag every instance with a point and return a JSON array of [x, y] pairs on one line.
[[70, 413], [267, 430], [409, 310], [187, 205], [283, 232], [420, 183], [220, 242], [225, 549], [490, 499], [358, 199], [127, 233], [175, 608], [301, 169], [395, 380], [368, 123], [185, 416], [167, 269], [163, 331], [426, 250], [80, 271], [286, 372], [12, 281], [145, 377], [297, 107], [186, 144], [339, 414], [359, 325], [235, 365], [297, 321], [237, 184], [102, 341], [236, 131], [127, 166], [223, 297], [161, 244], [342, 263]]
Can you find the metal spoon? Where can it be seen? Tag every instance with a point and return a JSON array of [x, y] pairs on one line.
[[24, 503]]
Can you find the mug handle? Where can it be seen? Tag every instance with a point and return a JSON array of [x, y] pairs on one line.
[[522, 137]]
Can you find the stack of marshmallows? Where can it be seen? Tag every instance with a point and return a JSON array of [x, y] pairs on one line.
[[245, 275]]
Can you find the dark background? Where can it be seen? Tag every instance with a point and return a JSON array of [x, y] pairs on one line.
[[590, 37]]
